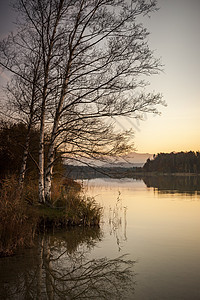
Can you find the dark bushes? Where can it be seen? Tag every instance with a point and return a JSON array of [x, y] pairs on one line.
[[18, 221]]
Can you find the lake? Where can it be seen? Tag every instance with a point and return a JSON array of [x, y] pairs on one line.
[[147, 247]]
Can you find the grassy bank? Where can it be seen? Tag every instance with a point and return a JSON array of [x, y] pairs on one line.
[[21, 216]]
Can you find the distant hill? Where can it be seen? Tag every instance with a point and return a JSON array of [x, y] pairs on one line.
[[135, 157], [123, 165], [130, 160]]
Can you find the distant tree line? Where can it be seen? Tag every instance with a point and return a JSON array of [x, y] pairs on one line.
[[88, 172], [180, 162]]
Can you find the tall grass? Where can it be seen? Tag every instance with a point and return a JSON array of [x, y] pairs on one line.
[[17, 221], [70, 206], [21, 215]]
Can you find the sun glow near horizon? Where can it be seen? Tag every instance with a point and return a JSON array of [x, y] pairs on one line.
[[168, 135]]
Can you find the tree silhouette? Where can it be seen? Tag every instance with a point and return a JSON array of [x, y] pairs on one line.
[[87, 62], [180, 162]]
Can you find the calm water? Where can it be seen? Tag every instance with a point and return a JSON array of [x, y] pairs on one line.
[[148, 247]]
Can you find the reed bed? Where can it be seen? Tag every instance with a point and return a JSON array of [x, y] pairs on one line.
[[21, 216]]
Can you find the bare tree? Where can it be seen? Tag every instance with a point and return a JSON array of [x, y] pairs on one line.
[[23, 103], [94, 56], [101, 67]]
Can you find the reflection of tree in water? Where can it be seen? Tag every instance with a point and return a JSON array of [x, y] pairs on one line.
[[174, 184], [75, 237], [61, 270]]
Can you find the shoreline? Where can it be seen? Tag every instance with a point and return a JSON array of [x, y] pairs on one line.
[[165, 174]]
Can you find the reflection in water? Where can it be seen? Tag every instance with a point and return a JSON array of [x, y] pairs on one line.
[[59, 268], [163, 234], [174, 184], [117, 221]]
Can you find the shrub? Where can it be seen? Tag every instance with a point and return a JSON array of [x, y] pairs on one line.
[[70, 206], [82, 210]]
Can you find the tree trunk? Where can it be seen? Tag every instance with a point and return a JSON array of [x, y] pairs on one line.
[[41, 161], [42, 124], [27, 143], [24, 162], [49, 172], [25, 154], [50, 161]]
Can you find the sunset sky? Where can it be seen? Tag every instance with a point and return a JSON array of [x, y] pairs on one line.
[[175, 37]]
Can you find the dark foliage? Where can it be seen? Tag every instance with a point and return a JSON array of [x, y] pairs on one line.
[[180, 162], [12, 141]]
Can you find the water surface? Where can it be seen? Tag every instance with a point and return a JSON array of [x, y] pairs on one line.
[[161, 230], [148, 247]]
